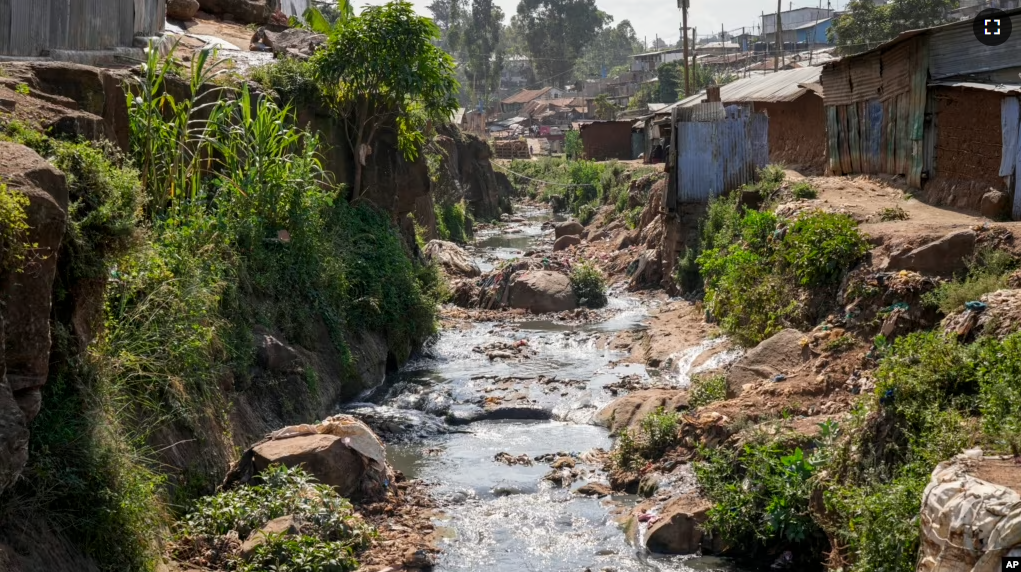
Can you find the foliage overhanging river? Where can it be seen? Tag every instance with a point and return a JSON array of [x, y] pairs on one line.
[[501, 518]]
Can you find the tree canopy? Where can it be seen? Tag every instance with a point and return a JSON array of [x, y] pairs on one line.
[[612, 47], [381, 67], [866, 25], [474, 34], [556, 32]]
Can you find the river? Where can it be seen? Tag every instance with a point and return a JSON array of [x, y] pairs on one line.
[[501, 518]]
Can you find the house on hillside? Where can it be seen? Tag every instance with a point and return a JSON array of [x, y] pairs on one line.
[[515, 103], [794, 104], [717, 49], [77, 30], [801, 26], [650, 61], [934, 106]]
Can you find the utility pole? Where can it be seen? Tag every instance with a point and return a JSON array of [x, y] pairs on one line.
[[779, 37], [683, 5]]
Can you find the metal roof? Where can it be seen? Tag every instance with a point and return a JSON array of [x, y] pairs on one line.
[[806, 25], [999, 88], [527, 95], [776, 87]]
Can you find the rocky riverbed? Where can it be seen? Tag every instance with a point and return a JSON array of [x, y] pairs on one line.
[[497, 416]]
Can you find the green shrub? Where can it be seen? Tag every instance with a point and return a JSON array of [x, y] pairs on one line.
[[707, 389], [572, 144], [820, 247], [655, 434], [893, 213], [586, 213], [330, 534], [292, 79], [13, 228], [987, 272], [453, 222], [589, 285], [998, 364], [804, 190], [841, 344], [761, 501]]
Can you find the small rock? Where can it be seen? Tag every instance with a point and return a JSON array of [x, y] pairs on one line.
[[285, 525], [563, 463], [649, 484], [565, 242], [995, 205], [182, 9], [594, 490], [569, 228]]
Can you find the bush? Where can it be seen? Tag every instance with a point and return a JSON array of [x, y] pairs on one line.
[[453, 222], [761, 501], [893, 213], [589, 285], [292, 79], [13, 228], [572, 144], [656, 434], [707, 389], [821, 247], [330, 531], [804, 190], [987, 272]]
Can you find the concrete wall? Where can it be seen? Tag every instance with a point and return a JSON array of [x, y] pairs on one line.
[[607, 140], [797, 132], [969, 146]]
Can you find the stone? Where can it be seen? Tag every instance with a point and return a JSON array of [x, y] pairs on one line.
[[649, 484], [677, 531], [326, 457], [13, 429], [627, 411], [939, 257], [294, 42], [565, 242], [779, 355], [995, 205], [594, 490], [563, 463], [285, 525], [182, 9], [625, 240], [244, 11], [28, 294], [541, 291], [569, 228], [453, 259], [273, 355]]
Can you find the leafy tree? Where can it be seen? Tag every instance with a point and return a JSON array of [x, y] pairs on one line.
[[323, 17], [865, 25], [441, 11], [555, 32], [605, 109], [612, 48], [474, 35], [512, 40], [382, 68], [671, 81], [659, 44], [648, 93]]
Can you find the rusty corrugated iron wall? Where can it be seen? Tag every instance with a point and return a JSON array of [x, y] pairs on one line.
[[33, 28], [715, 157], [875, 111]]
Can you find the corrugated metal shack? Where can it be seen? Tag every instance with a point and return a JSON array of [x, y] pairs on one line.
[[37, 28], [718, 150], [917, 106], [793, 101]]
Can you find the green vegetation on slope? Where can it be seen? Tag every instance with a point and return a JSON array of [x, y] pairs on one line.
[[209, 228]]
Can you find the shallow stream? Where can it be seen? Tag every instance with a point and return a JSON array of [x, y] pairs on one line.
[[502, 518]]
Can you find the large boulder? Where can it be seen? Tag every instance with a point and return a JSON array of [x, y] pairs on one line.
[[182, 9], [627, 411], [283, 41], [28, 294], [286, 525], [971, 514], [245, 11], [541, 291], [453, 259], [341, 452], [678, 529], [13, 429], [569, 228], [779, 355], [565, 242], [943, 256], [324, 456], [995, 205]]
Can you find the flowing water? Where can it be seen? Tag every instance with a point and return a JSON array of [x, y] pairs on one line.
[[503, 518]]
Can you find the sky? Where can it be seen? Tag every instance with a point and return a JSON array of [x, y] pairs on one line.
[[652, 17]]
